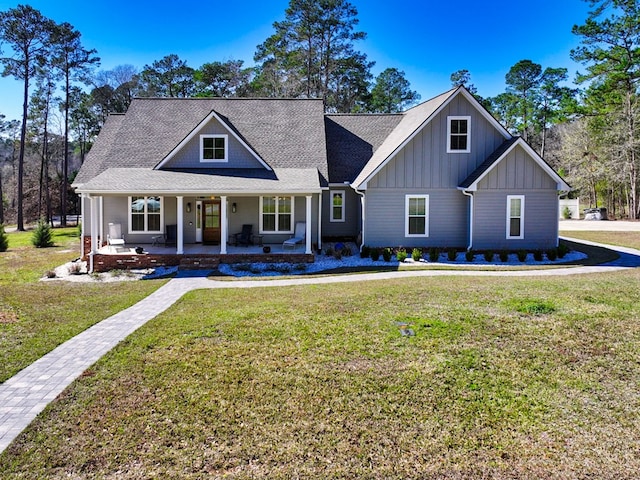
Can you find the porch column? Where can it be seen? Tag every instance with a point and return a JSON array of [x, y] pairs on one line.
[[180, 239], [93, 201], [308, 232], [101, 219], [224, 228], [83, 227]]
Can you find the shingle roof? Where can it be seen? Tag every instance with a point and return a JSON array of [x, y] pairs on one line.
[[285, 133], [222, 181], [352, 139], [412, 121]]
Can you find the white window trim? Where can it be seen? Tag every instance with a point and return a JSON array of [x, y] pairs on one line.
[[459, 117], [146, 218], [331, 193], [509, 198], [226, 148], [262, 230], [406, 216]]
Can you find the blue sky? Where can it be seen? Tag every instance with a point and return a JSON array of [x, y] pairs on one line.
[[427, 39]]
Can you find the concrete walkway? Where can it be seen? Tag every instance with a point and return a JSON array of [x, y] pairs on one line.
[[27, 393]]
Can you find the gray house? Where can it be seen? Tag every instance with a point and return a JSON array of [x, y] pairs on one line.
[[444, 173]]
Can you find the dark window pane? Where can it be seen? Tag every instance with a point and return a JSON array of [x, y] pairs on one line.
[[417, 225], [284, 223], [514, 228], [269, 222], [154, 223], [137, 223]]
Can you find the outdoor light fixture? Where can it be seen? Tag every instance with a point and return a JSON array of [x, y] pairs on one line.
[[234, 207], [188, 207]]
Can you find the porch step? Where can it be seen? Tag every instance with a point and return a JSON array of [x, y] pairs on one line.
[[199, 263]]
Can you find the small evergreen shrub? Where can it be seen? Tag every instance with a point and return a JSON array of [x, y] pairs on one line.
[[452, 254], [468, 255], [522, 255], [434, 254], [416, 254], [337, 254], [375, 254], [566, 213], [346, 251], [552, 254], [43, 235], [329, 252], [386, 254], [401, 255], [365, 252], [562, 250], [4, 239], [537, 255], [504, 256], [488, 255]]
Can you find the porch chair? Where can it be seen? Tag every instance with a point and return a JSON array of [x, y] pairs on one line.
[[245, 237], [299, 235], [115, 237]]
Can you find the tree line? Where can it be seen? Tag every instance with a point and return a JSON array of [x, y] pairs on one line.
[[587, 130]]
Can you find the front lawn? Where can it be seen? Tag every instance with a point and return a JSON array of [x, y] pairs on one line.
[[36, 317], [622, 239], [504, 378]]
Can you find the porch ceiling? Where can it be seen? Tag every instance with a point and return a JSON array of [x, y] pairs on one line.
[[136, 181]]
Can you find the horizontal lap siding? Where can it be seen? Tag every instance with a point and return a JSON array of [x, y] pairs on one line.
[[385, 218], [540, 220], [351, 226]]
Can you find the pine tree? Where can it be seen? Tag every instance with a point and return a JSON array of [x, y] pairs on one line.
[[42, 235]]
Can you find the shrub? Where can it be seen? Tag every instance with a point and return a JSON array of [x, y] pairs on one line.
[[365, 252], [386, 254], [566, 213], [50, 274], [434, 254], [75, 268], [452, 254], [337, 254], [522, 255], [504, 256], [4, 239], [416, 254], [488, 255], [375, 254], [401, 255], [346, 251], [537, 255], [329, 252], [562, 250], [552, 254], [42, 236], [468, 255]]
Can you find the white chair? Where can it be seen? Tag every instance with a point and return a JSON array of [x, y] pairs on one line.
[[115, 237], [299, 235]]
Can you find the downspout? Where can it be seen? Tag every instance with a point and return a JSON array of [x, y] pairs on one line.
[[470, 195], [361, 216]]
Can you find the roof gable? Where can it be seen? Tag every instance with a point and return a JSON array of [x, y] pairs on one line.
[[501, 153], [191, 142], [414, 120]]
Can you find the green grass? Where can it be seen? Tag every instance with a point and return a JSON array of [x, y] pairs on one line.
[[35, 317], [504, 378], [623, 239]]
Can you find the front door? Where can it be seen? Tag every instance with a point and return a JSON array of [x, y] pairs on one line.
[[211, 222]]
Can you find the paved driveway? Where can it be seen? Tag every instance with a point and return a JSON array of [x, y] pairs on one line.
[[599, 226]]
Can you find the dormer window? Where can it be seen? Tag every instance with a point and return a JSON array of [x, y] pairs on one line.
[[458, 134], [214, 148]]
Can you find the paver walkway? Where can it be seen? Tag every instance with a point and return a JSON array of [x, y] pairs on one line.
[[27, 393]]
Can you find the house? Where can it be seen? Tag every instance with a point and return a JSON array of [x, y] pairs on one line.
[[444, 173]]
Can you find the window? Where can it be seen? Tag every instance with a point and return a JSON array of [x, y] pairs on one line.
[[213, 148], [515, 216], [145, 214], [277, 215], [337, 205], [416, 216], [458, 134]]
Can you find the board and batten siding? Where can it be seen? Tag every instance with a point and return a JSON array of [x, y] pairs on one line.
[[490, 220], [424, 162], [517, 171], [189, 155], [448, 218]]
